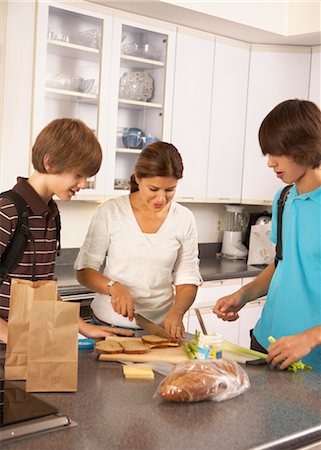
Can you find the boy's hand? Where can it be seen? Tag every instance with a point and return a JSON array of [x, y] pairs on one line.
[[227, 307], [97, 331], [288, 349], [122, 301]]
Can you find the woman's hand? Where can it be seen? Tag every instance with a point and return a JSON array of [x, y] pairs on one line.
[[227, 307], [122, 301], [97, 331], [173, 324], [288, 349]]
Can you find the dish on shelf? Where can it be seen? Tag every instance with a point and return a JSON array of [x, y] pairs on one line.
[[147, 51], [66, 82], [133, 138], [58, 35], [136, 86], [147, 140], [122, 183], [89, 38]]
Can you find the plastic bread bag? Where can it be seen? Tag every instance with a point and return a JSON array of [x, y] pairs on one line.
[[194, 381]]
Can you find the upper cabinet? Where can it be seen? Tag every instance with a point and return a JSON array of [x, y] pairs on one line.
[[192, 109], [228, 116], [276, 74], [315, 78], [142, 74], [112, 73], [71, 73], [134, 80]]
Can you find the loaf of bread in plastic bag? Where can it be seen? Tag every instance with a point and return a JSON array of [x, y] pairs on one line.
[[194, 381]]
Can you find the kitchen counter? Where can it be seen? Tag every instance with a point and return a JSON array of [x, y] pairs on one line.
[[281, 410]]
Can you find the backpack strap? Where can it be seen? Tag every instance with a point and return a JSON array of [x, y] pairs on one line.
[[58, 232], [12, 254], [281, 202]]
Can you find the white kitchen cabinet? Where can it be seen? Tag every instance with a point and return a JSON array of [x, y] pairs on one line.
[[249, 315], [228, 117], [315, 78], [192, 108], [142, 79], [206, 298], [276, 74], [72, 76]]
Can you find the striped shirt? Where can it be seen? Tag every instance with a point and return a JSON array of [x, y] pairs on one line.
[[43, 250]]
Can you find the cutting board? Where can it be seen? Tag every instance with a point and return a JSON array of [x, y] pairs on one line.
[[169, 354]]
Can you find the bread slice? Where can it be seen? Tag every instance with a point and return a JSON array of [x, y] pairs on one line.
[[134, 347], [109, 346], [154, 341]]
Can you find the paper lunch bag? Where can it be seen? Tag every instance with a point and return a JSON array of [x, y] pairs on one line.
[[53, 347], [23, 294]]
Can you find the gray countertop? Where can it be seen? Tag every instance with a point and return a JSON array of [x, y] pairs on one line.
[[281, 410]]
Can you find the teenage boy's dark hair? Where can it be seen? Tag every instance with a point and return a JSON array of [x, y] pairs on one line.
[[69, 146], [293, 128]]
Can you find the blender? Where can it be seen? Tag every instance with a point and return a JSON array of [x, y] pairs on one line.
[[235, 222]]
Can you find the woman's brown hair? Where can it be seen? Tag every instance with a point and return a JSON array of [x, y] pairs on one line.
[[159, 159], [68, 145], [293, 128]]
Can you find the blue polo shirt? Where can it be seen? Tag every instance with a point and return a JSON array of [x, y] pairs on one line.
[[294, 298]]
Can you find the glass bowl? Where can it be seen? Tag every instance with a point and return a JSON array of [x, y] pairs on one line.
[[89, 38], [147, 51]]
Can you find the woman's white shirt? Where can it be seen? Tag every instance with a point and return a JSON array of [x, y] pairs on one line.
[[149, 265]]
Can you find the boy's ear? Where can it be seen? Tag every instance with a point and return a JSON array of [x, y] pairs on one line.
[[46, 164]]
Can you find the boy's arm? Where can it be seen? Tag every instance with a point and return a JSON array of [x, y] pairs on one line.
[[3, 331], [99, 331]]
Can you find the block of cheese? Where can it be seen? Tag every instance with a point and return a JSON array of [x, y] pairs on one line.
[[135, 371]]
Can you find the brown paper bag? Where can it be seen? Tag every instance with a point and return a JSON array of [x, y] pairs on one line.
[[53, 347], [23, 294]]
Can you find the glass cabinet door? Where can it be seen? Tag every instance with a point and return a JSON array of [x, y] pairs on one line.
[[68, 71], [141, 94]]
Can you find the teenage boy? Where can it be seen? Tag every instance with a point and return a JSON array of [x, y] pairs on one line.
[[65, 153], [291, 137]]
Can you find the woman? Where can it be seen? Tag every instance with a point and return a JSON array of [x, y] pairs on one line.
[[151, 246]]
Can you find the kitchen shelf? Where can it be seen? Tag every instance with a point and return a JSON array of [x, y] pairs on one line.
[[75, 51], [135, 61], [133, 104], [128, 150], [79, 96]]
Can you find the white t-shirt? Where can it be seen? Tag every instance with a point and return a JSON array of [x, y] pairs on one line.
[[149, 265]]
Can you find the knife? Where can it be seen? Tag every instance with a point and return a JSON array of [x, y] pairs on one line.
[[151, 327]]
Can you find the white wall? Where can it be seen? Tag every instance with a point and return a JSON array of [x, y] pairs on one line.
[[16, 96]]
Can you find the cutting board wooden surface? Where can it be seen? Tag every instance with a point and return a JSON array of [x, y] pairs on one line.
[[169, 354]]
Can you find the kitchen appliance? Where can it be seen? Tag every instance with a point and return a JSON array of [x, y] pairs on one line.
[[23, 414], [235, 222], [256, 218], [261, 249], [151, 327]]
